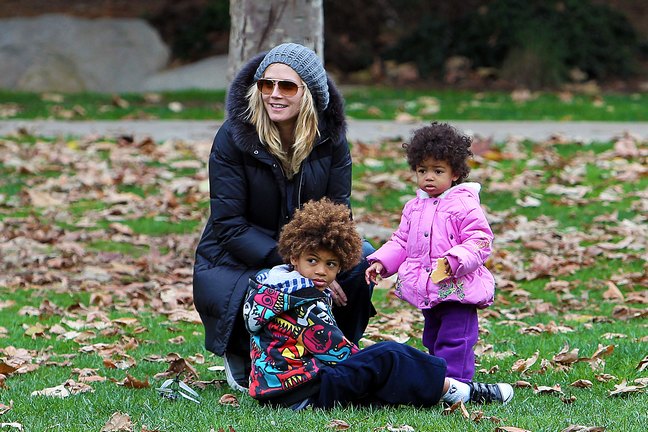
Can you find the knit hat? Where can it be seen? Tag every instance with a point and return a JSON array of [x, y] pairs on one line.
[[306, 63]]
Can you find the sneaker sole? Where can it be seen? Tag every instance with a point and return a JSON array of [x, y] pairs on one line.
[[231, 381]]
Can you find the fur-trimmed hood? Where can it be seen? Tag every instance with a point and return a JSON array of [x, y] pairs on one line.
[[332, 122]]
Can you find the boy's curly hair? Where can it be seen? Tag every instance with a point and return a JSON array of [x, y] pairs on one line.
[[322, 225], [441, 142]]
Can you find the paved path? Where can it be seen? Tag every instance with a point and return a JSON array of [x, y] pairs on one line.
[[368, 131]]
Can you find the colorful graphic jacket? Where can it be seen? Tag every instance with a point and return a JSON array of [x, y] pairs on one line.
[[452, 226], [293, 332]]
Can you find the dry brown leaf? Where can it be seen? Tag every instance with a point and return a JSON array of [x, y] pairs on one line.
[[643, 364], [523, 365], [546, 389], [132, 382], [118, 422], [567, 400], [613, 293], [178, 365], [566, 357], [579, 428], [59, 391], [178, 340], [510, 429], [229, 399], [338, 425], [4, 408], [6, 369], [43, 199], [582, 383], [624, 389], [603, 351], [605, 377]]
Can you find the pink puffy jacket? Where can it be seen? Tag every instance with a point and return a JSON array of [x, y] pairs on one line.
[[453, 226]]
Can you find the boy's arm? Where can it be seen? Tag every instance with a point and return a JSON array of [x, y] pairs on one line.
[[323, 338]]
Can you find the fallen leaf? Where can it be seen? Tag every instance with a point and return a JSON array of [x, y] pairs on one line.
[[118, 422], [579, 428], [523, 365], [546, 389], [568, 400], [613, 293], [510, 429], [4, 408], [624, 389], [229, 399], [338, 425], [59, 391], [582, 383], [132, 382]]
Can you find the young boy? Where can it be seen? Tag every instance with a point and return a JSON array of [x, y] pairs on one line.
[[299, 355]]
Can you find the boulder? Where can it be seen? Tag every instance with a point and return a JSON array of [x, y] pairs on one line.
[[209, 73], [63, 53]]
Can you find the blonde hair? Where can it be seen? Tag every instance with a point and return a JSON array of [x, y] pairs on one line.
[[306, 130]]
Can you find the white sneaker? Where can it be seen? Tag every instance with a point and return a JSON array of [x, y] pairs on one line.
[[235, 372]]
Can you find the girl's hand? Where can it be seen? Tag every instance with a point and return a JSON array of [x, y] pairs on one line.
[[337, 294], [374, 270]]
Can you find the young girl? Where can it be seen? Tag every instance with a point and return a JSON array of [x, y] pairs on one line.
[[300, 357], [440, 248]]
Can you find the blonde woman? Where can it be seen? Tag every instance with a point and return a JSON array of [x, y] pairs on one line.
[[282, 145]]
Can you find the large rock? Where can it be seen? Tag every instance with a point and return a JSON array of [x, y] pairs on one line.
[[64, 53], [209, 73]]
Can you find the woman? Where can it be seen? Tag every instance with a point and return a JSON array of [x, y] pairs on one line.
[[282, 145]]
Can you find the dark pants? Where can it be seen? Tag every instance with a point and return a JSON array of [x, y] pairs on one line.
[[387, 373], [451, 331], [352, 319]]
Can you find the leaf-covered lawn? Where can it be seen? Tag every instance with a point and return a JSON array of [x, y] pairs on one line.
[[385, 103], [96, 247]]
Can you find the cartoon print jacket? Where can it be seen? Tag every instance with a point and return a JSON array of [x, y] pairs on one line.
[[293, 332], [453, 226]]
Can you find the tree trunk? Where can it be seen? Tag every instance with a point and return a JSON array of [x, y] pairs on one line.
[[260, 25]]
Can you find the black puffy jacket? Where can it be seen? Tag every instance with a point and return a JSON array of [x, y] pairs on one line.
[[249, 207]]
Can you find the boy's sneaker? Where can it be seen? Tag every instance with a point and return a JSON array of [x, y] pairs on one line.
[[486, 393], [236, 372], [301, 405]]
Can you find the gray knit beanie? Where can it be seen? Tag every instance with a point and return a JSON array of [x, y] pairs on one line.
[[306, 63]]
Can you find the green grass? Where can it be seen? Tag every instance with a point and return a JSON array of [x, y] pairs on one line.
[[361, 103], [87, 263]]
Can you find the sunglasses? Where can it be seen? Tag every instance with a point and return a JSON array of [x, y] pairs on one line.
[[286, 88]]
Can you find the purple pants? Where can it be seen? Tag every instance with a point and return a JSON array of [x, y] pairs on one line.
[[451, 332]]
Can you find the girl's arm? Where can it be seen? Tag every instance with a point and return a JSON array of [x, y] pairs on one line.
[[475, 240], [392, 254]]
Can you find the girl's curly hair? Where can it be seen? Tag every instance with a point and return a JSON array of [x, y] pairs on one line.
[[441, 142], [322, 225]]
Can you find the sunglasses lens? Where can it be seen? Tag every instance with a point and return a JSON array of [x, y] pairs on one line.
[[288, 88], [265, 86]]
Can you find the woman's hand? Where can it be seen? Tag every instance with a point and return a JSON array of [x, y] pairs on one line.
[[373, 271], [337, 293]]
